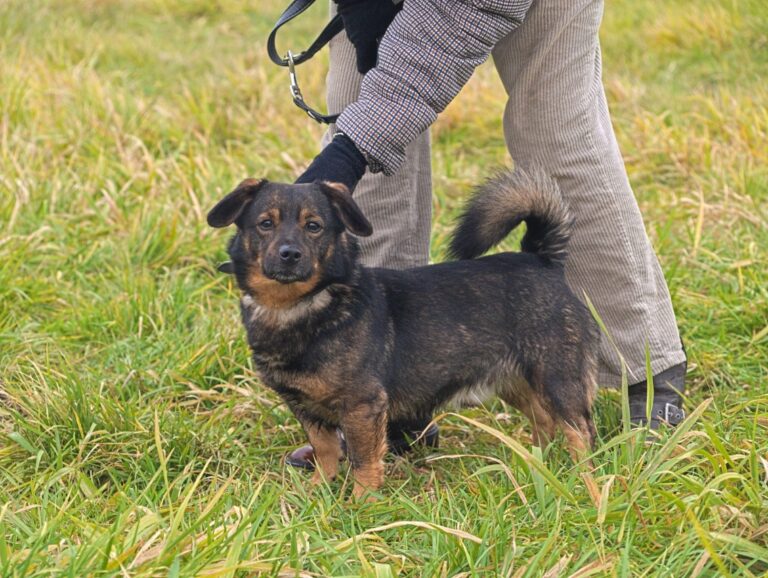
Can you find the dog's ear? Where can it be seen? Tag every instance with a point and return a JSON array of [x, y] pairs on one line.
[[347, 209], [228, 209]]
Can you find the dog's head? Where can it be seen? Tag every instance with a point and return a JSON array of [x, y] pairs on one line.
[[290, 239]]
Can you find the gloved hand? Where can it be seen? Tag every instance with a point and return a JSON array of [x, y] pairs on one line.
[[365, 22], [339, 162]]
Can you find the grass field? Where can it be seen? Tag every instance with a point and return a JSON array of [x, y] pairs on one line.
[[135, 438]]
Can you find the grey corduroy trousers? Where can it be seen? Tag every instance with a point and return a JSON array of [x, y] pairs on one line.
[[556, 117]]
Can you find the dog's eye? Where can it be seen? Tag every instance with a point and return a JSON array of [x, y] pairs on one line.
[[266, 224], [313, 226]]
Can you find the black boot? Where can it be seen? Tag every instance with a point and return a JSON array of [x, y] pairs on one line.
[[667, 401]]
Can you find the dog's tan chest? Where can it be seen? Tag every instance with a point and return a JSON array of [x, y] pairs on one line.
[[283, 317]]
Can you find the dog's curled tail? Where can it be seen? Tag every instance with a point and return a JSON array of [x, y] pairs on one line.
[[501, 203]]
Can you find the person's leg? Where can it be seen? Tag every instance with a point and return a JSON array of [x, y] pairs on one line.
[[399, 208], [557, 117]]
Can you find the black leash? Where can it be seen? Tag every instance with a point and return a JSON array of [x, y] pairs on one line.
[[331, 29]]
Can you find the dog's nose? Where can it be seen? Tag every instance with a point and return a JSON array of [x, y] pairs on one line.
[[289, 254]]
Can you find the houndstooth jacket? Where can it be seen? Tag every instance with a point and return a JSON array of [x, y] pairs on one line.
[[426, 56]]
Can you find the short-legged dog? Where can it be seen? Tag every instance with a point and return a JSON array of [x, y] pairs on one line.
[[351, 347]]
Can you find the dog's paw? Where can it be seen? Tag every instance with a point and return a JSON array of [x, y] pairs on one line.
[[363, 494], [317, 479]]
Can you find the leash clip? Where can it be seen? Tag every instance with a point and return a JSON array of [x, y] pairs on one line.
[[295, 90], [298, 98]]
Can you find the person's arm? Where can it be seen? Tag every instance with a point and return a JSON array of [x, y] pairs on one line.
[[365, 22], [426, 56]]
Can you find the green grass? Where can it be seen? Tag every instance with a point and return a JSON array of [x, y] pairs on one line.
[[135, 438]]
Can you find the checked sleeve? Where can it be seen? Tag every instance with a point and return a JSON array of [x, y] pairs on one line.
[[426, 56]]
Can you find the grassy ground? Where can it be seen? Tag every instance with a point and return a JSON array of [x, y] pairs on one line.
[[135, 439]]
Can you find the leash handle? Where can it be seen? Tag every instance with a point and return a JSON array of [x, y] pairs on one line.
[[331, 29], [294, 9]]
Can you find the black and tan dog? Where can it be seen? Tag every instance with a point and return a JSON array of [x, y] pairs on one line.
[[351, 347]]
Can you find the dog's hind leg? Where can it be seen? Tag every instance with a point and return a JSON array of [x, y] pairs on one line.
[[365, 429], [580, 437], [523, 398], [570, 405], [579, 433]]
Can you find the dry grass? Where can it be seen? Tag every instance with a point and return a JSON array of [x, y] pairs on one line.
[[136, 440]]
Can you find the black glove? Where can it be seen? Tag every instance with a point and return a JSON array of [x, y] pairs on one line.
[[339, 162], [365, 22]]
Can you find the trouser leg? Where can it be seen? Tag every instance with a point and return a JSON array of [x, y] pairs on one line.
[[400, 206], [557, 117]]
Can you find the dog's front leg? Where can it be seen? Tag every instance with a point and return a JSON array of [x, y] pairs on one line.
[[327, 449], [365, 429], [322, 436]]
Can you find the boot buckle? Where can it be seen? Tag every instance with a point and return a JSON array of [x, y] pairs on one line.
[[673, 415]]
